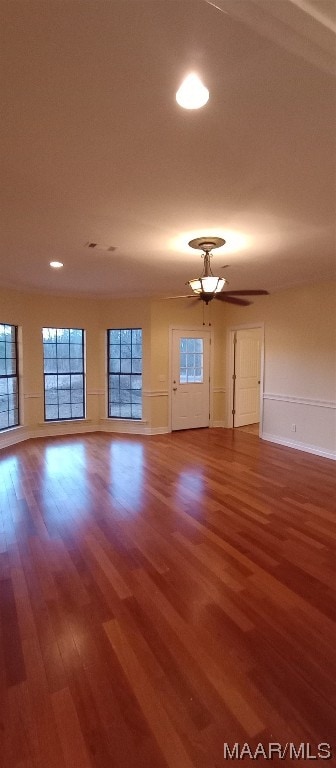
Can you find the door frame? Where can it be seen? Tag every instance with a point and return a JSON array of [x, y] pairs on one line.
[[194, 329], [230, 369]]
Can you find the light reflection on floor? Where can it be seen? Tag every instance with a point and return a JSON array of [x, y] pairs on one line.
[[190, 487], [126, 474], [7, 465], [65, 483], [9, 475], [60, 458]]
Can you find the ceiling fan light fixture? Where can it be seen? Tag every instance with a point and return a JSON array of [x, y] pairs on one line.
[[208, 284], [192, 94]]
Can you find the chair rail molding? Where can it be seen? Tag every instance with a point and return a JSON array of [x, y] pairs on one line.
[[32, 395], [300, 400], [155, 392]]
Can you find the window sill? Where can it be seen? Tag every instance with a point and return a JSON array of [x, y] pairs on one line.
[[109, 419], [5, 431], [65, 421]]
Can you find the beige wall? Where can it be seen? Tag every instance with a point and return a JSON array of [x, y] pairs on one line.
[[300, 364], [300, 355], [300, 339]]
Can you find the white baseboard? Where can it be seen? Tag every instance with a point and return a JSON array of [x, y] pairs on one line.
[[299, 446], [19, 434], [60, 429], [221, 424], [131, 428], [157, 431]]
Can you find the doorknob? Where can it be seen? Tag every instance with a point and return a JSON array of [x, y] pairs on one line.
[[174, 389]]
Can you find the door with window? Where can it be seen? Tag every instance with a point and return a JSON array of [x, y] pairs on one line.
[[190, 384]]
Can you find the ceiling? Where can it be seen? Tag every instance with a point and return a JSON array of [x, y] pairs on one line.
[[95, 148]]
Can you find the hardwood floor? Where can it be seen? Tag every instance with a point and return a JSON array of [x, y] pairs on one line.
[[252, 429], [162, 596]]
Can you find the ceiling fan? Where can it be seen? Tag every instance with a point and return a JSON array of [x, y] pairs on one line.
[[208, 286]]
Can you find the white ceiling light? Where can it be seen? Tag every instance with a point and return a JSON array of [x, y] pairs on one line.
[[192, 94], [56, 264]]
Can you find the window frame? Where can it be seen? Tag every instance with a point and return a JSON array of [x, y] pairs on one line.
[[15, 376], [70, 373], [122, 373]]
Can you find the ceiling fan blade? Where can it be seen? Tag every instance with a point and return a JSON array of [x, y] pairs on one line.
[[183, 296], [257, 292], [196, 300], [232, 299]]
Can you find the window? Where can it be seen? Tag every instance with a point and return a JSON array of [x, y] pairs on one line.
[[63, 353], [125, 373], [191, 361], [9, 379]]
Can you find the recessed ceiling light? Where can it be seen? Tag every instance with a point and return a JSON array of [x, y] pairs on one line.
[[192, 94], [56, 264]]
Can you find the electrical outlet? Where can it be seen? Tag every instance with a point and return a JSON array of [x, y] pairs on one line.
[[293, 428]]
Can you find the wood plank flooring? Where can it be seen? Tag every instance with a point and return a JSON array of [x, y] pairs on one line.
[[252, 429], [162, 596]]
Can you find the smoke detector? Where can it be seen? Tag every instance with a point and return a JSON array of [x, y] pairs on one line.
[[100, 246]]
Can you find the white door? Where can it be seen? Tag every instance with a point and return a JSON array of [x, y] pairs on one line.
[[190, 382], [247, 381]]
